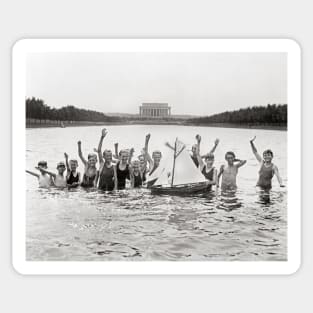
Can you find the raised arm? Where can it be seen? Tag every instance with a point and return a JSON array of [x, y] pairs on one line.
[[32, 173], [145, 149], [240, 163], [216, 142], [103, 134], [80, 154], [201, 163], [66, 162], [131, 154], [45, 171], [116, 151], [254, 150], [276, 172]]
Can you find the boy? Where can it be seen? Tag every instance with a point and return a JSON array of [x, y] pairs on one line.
[[196, 147], [72, 175], [58, 179], [267, 168], [44, 179], [229, 172]]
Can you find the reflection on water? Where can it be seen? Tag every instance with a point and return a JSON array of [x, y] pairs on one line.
[[249, 224]]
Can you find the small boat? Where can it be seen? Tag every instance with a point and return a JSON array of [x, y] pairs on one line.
[[179, 176]]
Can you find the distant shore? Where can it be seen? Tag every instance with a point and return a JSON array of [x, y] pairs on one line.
[[49, 124]]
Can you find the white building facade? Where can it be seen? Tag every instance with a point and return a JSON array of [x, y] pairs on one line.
[[155, 110]]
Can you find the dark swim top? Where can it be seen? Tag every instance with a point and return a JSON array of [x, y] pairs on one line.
[[88, 181], [265, 176], [137, 181], [195, 160], [122, 175], [72, 179], [208, 175], [106, 178]]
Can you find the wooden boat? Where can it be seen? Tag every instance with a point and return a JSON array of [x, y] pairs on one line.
[[179, 175]]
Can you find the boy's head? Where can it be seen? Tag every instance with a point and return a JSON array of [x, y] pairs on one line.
[[230, 157], [43, 164], [107, 155], [156, 156], [124, 156], [61, 168], [268, 155], [209, 159], [73, 164], [92, 159], [136, 165]]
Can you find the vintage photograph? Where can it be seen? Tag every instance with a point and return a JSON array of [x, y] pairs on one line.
[[140, 155]]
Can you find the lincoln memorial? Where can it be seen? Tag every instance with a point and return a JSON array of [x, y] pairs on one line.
[[154, 110]]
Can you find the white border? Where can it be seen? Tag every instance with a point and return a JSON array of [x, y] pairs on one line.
[[24, 46]]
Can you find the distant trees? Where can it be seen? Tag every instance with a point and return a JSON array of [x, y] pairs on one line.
[[271, 114], [37, 109]]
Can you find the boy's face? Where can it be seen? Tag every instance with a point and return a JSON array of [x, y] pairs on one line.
[[267, 157], [73, 165], [124, 157], [92, 161], [107, 155], [61, 169], [209, 162], [156, 157], [136, 167], [230, 159], [44, 167]]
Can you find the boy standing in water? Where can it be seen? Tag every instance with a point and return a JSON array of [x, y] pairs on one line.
[[194, 148], [44, 179], [58, 179], [90, 177], [207, 168], [72, 175], [230, 171], [107, 171], [267, 168]]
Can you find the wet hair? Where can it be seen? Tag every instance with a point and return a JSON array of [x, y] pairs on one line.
[[60, 164], [106, 151], [268, 151], [157, 152], [92, 155], [209, 156], [42, 163], [230, 153]]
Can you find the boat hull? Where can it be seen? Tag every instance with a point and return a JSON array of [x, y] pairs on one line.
[[181, 190]]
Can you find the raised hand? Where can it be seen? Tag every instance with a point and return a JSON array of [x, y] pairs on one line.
[[253, 139], [79, 143], [148, 137], [198, 138], [65, 155], [104, 132], [216, 142]]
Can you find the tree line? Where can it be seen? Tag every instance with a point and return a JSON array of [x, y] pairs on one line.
[[272, 114], [37, 109]]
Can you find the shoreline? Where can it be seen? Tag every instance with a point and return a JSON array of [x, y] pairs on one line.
[[179, 123]]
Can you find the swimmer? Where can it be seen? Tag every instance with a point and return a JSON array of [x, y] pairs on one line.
[[206, 167], [136, 175], [72, 175], [194, 148], [229, 172], [267, 168], [44, 179], [58, 179], [107, 171], [91, 173], [122, 169]]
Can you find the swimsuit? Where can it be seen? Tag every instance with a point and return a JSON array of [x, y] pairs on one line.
[[106, 178], [208, 175], [121, 176], [88, 181], [71, 179], [138, 181], [265, 176]]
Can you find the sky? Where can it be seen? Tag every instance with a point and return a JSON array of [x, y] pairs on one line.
[[191, 83]]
